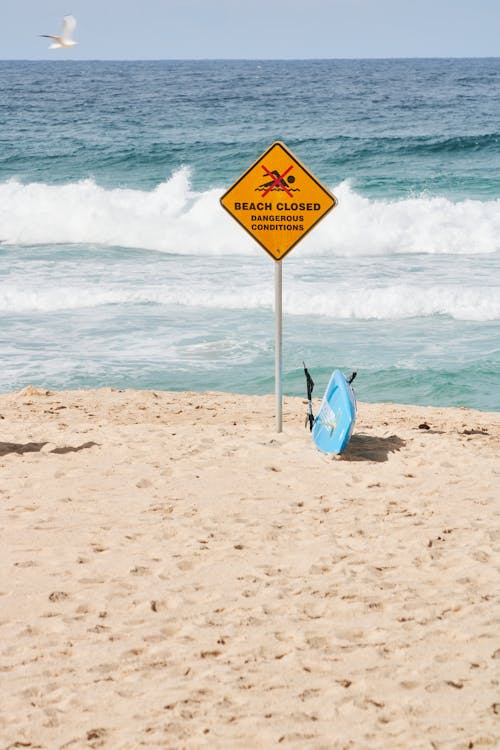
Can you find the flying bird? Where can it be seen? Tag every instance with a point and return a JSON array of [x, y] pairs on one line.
[[65, 38]]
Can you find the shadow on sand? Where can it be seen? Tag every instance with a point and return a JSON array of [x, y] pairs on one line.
[[372, 448], [20, 448]]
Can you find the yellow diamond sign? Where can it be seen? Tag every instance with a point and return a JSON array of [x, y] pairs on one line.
[[278, 201]]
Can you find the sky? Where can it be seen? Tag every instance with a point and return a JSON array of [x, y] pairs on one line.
[[252, 29]]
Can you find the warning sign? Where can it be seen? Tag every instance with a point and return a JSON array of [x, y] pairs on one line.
[[278, 201]]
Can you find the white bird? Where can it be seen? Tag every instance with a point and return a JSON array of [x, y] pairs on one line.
[[65, 38]]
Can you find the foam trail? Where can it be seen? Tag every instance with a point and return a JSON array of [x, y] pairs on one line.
[[173, 218]]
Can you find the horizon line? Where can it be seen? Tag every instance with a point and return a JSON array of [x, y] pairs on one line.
[[246, 59]]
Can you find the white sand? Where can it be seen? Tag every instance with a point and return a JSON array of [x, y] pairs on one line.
[[174, 574]]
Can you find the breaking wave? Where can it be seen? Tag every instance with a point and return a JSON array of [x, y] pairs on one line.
[[388, 303], [174, 218]]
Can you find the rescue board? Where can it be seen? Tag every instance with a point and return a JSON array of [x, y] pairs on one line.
[[333, 425]]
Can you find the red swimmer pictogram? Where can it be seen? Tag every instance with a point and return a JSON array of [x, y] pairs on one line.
[[278, 182]]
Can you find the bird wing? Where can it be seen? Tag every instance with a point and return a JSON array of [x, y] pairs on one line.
[[69, 25]]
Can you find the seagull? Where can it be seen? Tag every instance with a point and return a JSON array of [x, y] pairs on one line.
[[64, 40]]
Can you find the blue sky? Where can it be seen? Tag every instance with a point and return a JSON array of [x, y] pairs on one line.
[[193, 29]]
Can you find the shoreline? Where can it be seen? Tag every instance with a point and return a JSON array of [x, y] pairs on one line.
[[177, 574]]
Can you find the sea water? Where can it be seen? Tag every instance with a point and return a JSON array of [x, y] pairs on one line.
[[118, 266]]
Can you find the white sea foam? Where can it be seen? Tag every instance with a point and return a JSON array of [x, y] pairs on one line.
[[174, 218], [387, 303]]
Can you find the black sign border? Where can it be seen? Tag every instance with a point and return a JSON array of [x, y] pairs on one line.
[[312, 177]]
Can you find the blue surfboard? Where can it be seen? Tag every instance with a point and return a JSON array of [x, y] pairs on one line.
[[334, 423]]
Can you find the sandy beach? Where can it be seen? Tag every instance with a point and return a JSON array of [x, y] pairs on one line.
[[175, 574]]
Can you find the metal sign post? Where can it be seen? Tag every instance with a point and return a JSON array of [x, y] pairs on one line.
[[278, 348], [278, 201]]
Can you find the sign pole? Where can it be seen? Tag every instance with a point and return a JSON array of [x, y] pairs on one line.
[[278, 368], [278, 201]]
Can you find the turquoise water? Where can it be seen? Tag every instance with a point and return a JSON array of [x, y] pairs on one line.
[[119, 268]]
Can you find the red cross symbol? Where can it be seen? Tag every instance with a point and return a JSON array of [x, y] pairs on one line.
[[277, 181]]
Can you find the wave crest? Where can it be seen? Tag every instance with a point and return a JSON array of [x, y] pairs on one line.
[[389, 303], [174, 218]]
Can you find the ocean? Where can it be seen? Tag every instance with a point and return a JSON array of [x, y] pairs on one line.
[[119, 268]]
